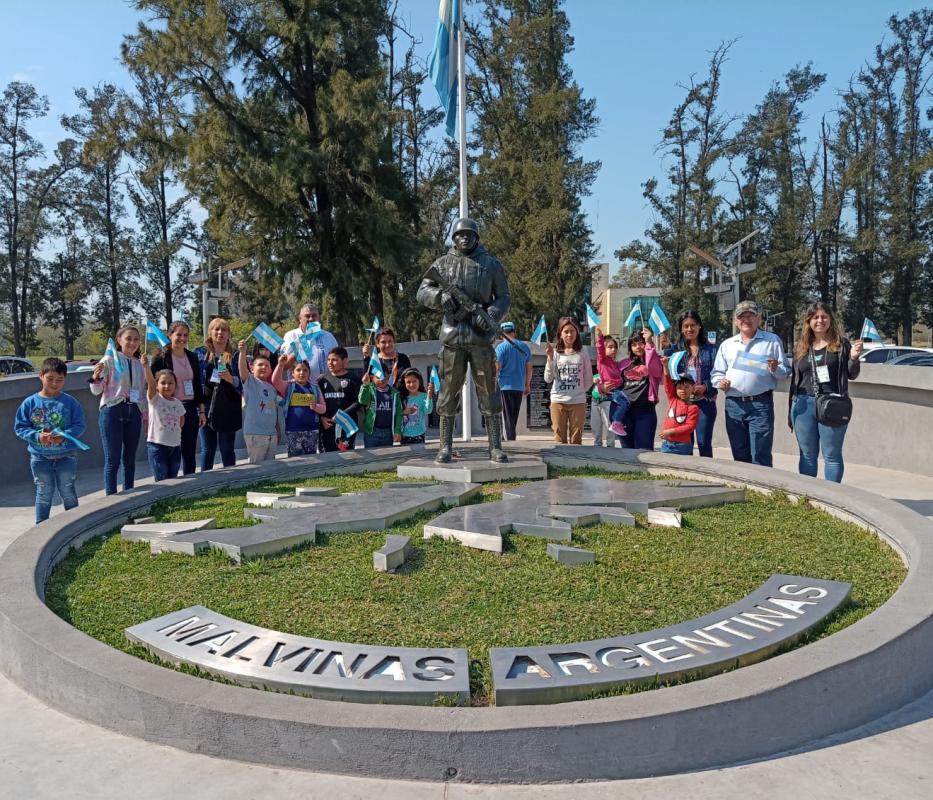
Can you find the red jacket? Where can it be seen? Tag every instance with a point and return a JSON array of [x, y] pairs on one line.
[[682, 418]]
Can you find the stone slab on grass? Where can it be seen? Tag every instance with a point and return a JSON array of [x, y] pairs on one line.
[[667, 517], [588, 515], [474, 470], [159, 530], [571, 556], [316, 491], [395, 552]]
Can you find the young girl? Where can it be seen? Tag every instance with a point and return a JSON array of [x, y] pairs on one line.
[[260, 407], [122, 406], [570, 371], [303, 405], [682, 416], [166, 418], [611, 381], [416, 405], [641, 374]]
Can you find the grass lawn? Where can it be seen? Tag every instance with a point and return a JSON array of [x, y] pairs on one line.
[[453, 596]]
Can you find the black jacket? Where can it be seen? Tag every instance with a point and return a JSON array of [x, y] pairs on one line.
[[851, 372], [164, 361]]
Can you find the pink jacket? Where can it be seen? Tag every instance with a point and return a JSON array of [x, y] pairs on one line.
[[654, 368], [608, 369]]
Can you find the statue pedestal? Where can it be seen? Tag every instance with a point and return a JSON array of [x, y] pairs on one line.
[[474, 467]]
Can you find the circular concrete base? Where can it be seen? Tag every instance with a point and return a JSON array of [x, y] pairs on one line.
[[473, 469], [837, 683]]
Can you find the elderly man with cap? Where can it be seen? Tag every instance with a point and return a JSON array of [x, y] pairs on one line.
[[513, 366], [468, 284], [746, 369]]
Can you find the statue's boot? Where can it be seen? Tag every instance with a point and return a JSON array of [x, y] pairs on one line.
[[494, 431], [444, 455]]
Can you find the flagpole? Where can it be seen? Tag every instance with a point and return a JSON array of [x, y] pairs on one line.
[[461, 110]]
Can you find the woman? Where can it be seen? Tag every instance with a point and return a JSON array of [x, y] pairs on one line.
[[698, 364], [122, 390], [569, 369], [189, 389], [393, 362], [824, 363], [641, 374], [223, 393]]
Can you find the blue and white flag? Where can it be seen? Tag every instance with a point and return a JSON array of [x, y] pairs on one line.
[[114, 355], [657, 321], [711, 337], [869, 331], [375, 368], [673, 364], [313, 330], [267, 337], [752, 362], [540, 331], [345, 423], [74, 440], [375, 326], [592, 318], [303, 347], [634, 314], [155, 334], [442, 65], [435, 380]]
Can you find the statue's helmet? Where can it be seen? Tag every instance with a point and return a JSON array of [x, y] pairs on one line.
[[465, 235]]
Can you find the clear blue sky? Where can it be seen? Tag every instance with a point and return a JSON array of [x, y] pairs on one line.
[[629, 55]]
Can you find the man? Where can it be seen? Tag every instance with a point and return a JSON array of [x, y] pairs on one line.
[[746, 369], [513, 367], [323, 344], [469, 286]]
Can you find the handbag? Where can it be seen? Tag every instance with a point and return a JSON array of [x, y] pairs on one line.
[[833, 410]]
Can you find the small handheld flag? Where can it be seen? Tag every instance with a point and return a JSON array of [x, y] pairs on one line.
[[673, 364], [869, 331], [74, 440], [375, 326], [755, 363], [634, 314], [114, 355], [375, 368], [154, 334], [267, 337], [540, 331], [711, 337], [345, 423], [313, 330], [592, 318], [435, 380], [657, 321]]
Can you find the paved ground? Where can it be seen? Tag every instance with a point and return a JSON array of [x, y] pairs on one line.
[[46, 754]]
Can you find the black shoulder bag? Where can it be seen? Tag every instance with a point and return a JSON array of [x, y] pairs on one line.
[[832, 409]]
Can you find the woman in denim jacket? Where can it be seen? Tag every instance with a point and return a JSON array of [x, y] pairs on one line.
[[698, 363]]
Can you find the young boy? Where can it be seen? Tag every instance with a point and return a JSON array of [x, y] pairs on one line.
[[260, 407], [341, 390], [682, 416], [384, 414], [41, 420]]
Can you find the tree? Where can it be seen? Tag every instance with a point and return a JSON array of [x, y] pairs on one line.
[[67, 283], [27, 192]]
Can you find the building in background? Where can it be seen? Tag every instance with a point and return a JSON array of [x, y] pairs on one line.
[[615, 304]]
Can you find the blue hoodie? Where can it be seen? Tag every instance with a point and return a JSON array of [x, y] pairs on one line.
[[37, 414]]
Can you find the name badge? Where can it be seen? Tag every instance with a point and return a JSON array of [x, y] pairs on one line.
[[822, 374], [215, 377], [188, 388], [134, 395]]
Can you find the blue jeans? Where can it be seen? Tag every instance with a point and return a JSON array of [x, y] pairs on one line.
[[380, 437], [677, 448], [811, 436], [705, 425], [619, 406], [640, 425], [50, 474], [120, 426], [164, 460], [750, 425], [210, 441]]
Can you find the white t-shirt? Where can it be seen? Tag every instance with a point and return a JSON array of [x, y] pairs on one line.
[[324, 343], [165, 418]]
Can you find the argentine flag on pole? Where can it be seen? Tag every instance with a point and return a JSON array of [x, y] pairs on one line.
[[869, 331], [435, 380], [657, 321], [592, 318], [154, 334], [375, 368], [442, 65], [267, 337], [540, 331], [114, 355], [376, 326], [673, 364], [345, 423], [634, 314]]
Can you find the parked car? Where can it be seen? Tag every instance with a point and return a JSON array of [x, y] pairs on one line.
[[885, 353], [912, 360], [81, 366], [14, 365]]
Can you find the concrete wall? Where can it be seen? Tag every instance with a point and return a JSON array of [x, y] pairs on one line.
[[891, 425]]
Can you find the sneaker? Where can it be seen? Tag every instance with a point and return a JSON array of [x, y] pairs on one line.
[[617, 428]]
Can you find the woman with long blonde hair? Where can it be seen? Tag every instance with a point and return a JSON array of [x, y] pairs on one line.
[[819, 405], [223, 391]]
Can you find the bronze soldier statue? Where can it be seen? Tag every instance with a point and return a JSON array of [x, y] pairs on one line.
[[469, 286]]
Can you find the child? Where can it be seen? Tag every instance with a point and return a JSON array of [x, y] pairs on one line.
[[302, 404], [682, 416], [641, 374], [166, 419], [260, 407], [383, 422], [599, 416], [41, 420], [341, 392], [611, 379], [416, 405], [569, 368]]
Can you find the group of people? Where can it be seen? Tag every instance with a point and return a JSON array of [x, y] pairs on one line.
[[184, 397]]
